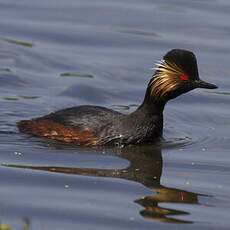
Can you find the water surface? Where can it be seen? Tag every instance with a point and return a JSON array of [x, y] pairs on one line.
[[56, 54]]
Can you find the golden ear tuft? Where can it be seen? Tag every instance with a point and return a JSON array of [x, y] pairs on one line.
[[166, 78]]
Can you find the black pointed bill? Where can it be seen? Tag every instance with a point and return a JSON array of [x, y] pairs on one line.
[[205, 85]]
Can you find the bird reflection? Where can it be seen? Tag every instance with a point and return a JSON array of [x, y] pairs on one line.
[[146, 168]]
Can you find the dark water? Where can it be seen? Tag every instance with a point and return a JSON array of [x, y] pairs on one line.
[[56, 54]]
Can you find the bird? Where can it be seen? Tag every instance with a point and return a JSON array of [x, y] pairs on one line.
[[89, 125]]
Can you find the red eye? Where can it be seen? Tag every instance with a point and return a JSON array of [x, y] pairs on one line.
[[184, 76]]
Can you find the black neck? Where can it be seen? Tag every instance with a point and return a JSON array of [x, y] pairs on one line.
[[151, 104], [150, 111]]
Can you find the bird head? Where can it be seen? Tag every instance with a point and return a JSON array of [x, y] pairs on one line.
[[176, 73]]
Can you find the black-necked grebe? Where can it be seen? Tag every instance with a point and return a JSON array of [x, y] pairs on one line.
[[89, 125]]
